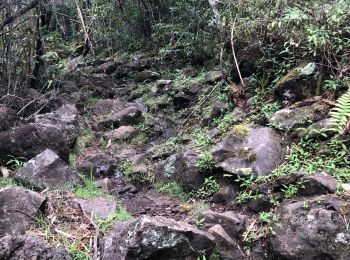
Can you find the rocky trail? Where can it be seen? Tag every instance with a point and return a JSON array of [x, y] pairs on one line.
[[146, 159]]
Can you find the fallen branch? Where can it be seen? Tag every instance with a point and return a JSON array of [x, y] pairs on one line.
[[234, 53]]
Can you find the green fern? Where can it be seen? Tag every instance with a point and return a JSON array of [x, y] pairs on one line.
[[340, 114]]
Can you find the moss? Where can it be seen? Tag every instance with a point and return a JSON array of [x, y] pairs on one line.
[[241, 130]]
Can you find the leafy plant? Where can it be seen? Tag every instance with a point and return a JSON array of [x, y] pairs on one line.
[[171, 188], [209, 187], [340, 115], [291, 190], [16, 162], [205, 161], [120, 215], [201, 139], [225, 123]]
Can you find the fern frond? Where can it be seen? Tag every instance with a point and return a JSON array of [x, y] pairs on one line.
[[340, 114]]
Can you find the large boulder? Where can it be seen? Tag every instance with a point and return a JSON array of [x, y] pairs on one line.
[[299, 84], [314, 228], [115, 113], [56, 131], [248, 149], [300, 114], [8, 118], [156, 238], [29, 247], [47, 169], [18, 207]]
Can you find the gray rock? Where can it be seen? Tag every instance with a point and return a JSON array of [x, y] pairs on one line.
[[234, 224], [227, 248], [122, 132], [312, 228], [145, 76], [226, 194], [182, 168], [98, 208], [317, 130], [29, 247], [8, 118], [27, 102], [248, 149], [214, 76], [116, 113], [156, 238], [299, 84], [163, 82], [47, 169], [16, 206], [318, 183], [105, 184], [56, 131], [31, 139], [299, 115], [100, 164]]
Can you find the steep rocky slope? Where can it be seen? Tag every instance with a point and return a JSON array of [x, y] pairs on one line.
[[147, 159]]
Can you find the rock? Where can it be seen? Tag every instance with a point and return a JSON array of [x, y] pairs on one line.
[[226, 194], [248, 149], [346, 188], [156, 238], [116, 113], [181, 99], [218, 109], [163, 82], [194, 88], [234, 224], [17, 204], [101, 164], [317, 130], [98, 208], [105, 184], [182, 168], [297, 85], [8, 118], [77, 99], [318, 183], [122, 132], [227, 248], [214, 76], [57, 131], [45, 170], [67, 117], [299, 115], [145, 76], [123, 71], [27, 102], [31, 139], [30, 247], [101, 84], [108, 67], [312, 228]]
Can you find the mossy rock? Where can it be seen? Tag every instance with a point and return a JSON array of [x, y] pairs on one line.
[[298, 84], [259, 149]]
